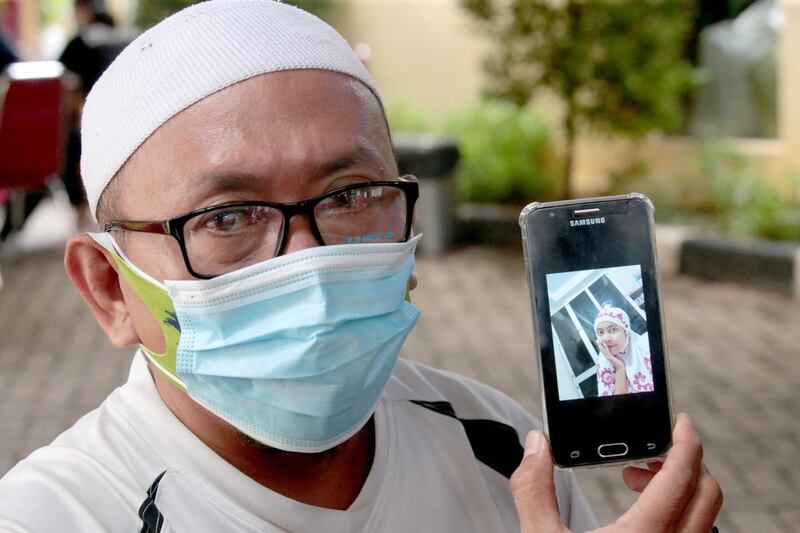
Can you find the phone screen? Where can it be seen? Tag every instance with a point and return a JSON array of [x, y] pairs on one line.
[[598, 325]]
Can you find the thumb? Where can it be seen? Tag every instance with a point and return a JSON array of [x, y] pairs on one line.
[[534, 490]]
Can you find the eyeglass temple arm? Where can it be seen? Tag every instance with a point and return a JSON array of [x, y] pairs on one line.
[[144, 226]]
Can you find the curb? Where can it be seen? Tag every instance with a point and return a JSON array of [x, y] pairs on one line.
[[684, 250], [492, 224], [761, 264]]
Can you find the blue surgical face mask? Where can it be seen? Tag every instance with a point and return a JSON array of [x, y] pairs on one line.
[[293, 352]]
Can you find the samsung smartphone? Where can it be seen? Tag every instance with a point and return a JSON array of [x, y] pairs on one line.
[[598, 328]]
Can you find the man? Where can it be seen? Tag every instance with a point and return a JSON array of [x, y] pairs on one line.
[[7, 55], [259, 249], [96, 44]]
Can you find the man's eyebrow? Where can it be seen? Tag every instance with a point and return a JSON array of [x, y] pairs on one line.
[[363, 154], [223, 181], [216, 181]]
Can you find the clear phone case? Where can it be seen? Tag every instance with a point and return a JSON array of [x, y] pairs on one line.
[[527, 236]]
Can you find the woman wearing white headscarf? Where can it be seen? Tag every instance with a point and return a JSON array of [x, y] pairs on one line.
[[624, 365]]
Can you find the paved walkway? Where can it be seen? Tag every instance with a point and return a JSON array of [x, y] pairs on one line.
[[734, 368]]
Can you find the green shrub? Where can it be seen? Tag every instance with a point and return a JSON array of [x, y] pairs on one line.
[[506, 154], [759, 209], [726, 190], [405, 117], [150, 12], [50, 11]]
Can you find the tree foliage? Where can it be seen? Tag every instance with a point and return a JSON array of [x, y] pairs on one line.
[[616, 64], [506, 154], [150, 12]]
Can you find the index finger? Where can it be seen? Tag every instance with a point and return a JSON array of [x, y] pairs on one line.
[[664, 500]]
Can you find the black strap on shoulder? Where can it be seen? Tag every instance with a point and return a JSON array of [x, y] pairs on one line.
[[443, 408], [494, 444], [152, 519]]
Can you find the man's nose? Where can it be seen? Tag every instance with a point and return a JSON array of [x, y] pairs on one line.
[[299, 236]]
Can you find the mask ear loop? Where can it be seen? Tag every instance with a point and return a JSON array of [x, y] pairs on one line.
[[107, 241], [155, 296], [411, 237]]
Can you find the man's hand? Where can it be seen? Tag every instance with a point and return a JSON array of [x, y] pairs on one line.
[[678, 495]]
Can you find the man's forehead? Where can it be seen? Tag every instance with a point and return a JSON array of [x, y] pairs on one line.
[[278, 103], [275, 89], [265, 138], [189, 56], [219, 144]]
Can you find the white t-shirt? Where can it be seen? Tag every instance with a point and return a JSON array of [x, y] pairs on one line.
[[444, 446]]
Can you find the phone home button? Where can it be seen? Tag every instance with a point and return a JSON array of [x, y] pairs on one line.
[[618, 449]]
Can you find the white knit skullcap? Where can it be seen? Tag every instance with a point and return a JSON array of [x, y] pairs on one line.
[[615, 315], [190, 55]]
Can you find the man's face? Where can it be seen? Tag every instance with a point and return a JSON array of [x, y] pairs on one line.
[[280, 137]]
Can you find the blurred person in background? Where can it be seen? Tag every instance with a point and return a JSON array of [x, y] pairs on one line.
[[98, 41], [7, 55], [231, 153]]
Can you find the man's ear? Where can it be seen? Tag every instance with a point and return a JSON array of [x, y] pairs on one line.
[[92, 271]]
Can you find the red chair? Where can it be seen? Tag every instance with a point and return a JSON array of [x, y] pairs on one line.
[[33, 131]]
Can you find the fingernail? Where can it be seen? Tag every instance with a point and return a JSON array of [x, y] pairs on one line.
[[533, 443]]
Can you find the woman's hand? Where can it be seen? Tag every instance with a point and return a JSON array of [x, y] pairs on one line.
[[678, 495], [616, 361]]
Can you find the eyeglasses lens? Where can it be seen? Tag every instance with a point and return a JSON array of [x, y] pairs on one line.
[[229, 238], [367, 215]]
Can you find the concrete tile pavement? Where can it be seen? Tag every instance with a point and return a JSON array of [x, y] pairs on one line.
[[733, 363]]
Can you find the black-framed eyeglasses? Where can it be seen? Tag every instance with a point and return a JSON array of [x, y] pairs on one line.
[[222, 238]]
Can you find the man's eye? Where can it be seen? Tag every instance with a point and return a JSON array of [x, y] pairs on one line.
[[346, 198], [228, 221]]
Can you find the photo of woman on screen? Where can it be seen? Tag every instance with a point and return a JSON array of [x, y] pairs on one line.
[[624, 366]]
